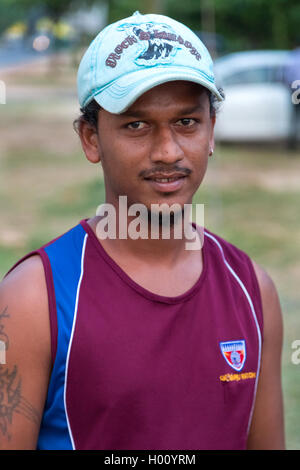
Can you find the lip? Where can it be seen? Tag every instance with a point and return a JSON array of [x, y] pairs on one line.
[[166, 183]]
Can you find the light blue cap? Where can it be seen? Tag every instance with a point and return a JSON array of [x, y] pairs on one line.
[[135, 54]]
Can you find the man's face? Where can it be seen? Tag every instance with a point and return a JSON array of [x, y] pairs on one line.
[[157, 151]]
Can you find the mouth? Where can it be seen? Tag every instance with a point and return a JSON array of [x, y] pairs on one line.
[[166, 182]]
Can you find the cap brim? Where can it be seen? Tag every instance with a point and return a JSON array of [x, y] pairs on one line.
[[122, 93]]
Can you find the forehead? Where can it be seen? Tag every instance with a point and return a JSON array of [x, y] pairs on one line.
[[171, 94], [163, 102]]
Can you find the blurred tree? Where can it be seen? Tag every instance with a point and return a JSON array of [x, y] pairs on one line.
[[29, 10], [10, 12], [245, 24], [279, 24], [123, 8]]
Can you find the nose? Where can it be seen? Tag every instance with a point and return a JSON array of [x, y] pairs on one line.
[[166, 148]]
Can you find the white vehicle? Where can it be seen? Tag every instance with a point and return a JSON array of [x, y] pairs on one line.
[[258, 103]]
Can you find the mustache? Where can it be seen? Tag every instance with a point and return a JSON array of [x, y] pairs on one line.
[[165, 170]]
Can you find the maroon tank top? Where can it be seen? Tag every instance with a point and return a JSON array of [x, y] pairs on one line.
[[135, 370]]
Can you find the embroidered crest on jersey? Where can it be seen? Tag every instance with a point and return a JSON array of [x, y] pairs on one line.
[[234, 353]]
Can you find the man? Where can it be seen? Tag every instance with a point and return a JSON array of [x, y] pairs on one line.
[[121, 342]]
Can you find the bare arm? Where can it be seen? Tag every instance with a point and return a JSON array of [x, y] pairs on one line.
[[25, 369], [267, 428]]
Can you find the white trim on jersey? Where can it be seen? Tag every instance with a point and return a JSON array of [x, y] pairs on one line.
[[71, 340], [254, 317]]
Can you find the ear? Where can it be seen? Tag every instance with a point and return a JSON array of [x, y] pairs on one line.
[[89, 141]]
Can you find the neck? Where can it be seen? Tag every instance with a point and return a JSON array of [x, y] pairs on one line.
[[150, 237]]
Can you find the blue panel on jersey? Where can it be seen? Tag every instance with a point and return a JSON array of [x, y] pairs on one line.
[[65, 255]]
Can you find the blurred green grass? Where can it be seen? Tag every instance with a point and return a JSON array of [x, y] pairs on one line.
[[251, 196]]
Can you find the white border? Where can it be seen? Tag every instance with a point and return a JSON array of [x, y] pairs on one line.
[[255, 320], [71, 340]]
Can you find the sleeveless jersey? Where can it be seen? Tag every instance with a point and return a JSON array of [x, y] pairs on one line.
[[135, 370]]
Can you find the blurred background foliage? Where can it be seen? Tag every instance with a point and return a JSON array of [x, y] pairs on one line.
[[245, 24]]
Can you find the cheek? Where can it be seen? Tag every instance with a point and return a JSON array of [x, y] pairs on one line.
[[198, 161], [196, 150], [123, 157], [121, 165]]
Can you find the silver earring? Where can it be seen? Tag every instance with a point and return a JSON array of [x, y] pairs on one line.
[[211, 151]]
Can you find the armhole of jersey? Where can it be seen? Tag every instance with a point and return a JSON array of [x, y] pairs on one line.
[[50, 293], [259, 318], [51, 301], [259, 309]]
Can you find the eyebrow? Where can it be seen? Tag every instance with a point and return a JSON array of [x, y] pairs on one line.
[[193, 109], [184, 111], [133, 113]]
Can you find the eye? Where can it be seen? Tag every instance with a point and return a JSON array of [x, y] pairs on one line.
[[136, 125], [187, 122]]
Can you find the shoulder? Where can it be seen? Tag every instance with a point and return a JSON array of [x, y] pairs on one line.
[[236, 255], [266, 283], [236, 260], [272, 314], [26, 278], [23, 294], [256, 278], [228, 249]]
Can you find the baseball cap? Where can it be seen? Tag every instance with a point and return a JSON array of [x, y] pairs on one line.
[[133, 55]]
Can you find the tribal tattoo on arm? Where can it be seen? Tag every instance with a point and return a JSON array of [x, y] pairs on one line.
[[11, 400]]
